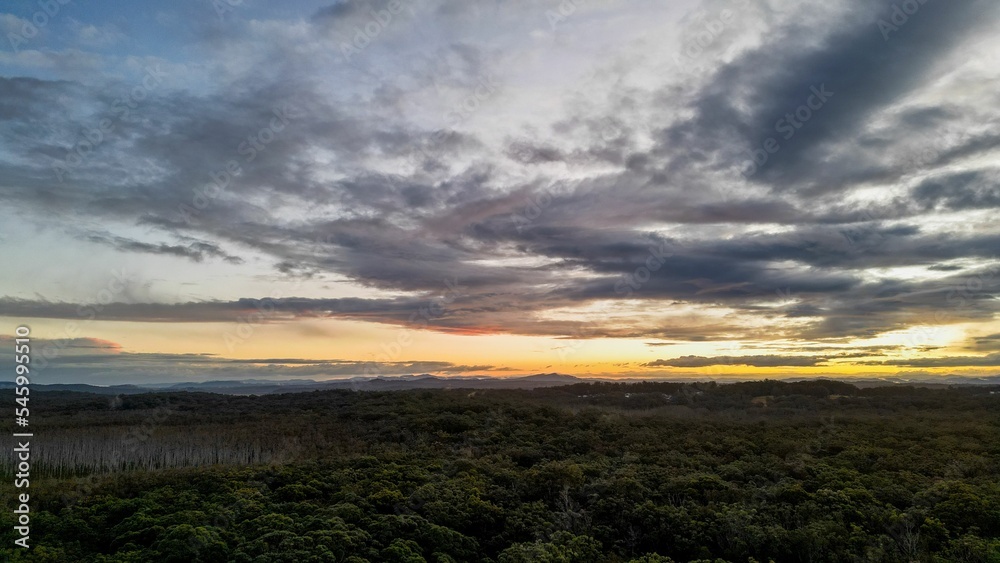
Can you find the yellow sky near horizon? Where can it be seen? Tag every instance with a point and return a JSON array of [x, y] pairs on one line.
[[318, 340]]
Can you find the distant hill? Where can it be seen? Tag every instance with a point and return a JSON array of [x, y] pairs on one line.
[[85, 388], [267, 387], [428, 381]]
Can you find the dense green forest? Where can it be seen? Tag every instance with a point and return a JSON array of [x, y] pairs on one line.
[[651, 472]]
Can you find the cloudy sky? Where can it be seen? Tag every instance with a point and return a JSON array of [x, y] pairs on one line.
[[210, 189]]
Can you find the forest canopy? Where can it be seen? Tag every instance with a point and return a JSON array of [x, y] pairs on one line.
[[649, 472]]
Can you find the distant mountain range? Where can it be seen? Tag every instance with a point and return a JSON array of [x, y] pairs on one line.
[[427, 381], [268, 386]]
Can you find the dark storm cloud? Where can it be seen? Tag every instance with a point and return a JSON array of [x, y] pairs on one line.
[[855, 247], [741, 106], [897, 304], [978, 189]]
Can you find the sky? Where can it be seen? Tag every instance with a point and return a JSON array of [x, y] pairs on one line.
[[232, 189]]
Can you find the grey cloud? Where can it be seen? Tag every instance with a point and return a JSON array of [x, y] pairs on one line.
[[986, 343], [974, 189], [992, 360], [755, 361], [194, 250], [851, 58]]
